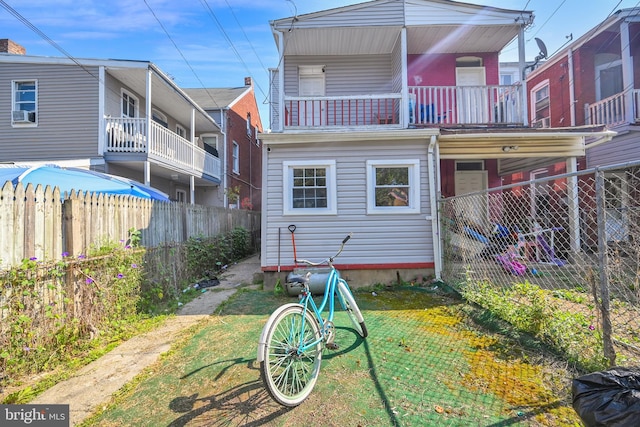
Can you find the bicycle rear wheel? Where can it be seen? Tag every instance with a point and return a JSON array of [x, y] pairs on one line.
[[349, 304], [288, 373]]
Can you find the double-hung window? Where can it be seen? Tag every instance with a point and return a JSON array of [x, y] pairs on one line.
[[393, 186], [310, 187], [24, 96], [236, 158]]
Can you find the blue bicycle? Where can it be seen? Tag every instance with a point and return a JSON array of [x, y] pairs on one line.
[[292, 340]]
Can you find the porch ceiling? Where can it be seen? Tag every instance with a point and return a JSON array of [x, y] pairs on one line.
[[166, 98], [378, 40]]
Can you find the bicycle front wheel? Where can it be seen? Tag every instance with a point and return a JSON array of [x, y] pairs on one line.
[[288, 370], [349, 304]]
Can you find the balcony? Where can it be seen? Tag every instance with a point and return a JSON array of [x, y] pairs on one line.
[[342, 111], [128, 136], [615, 110], [465, 105], [427, 106]]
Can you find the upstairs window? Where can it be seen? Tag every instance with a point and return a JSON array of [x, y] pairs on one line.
[[129, 105], [309, 187], [249, 132], [236, 158], [25, 102], [541, 110]]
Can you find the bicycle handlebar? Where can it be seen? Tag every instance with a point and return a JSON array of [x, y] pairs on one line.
[[328, 260]]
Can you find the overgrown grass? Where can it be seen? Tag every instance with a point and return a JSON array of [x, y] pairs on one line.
[[423, 363]]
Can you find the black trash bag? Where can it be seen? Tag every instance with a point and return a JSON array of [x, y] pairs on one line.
[[608, 398]]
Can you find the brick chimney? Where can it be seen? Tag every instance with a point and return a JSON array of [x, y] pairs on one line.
[[248, 81], [8, 46]]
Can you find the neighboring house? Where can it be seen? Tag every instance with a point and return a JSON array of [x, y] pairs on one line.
[[236, 110], [595, 80], [122, 117], [388, 98]]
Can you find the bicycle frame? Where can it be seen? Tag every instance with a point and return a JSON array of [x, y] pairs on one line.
[[308, 302]]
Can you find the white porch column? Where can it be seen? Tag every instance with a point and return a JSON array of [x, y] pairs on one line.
[[627, 71], [149, 113], [192, 188], [404, 111], [522, 64], [573, 205], [147, 173]]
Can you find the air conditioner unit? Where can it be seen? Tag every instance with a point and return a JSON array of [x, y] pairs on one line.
[[544, 122], [23, 116]]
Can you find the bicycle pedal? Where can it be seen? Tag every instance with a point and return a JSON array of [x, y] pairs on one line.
[[332, 346]]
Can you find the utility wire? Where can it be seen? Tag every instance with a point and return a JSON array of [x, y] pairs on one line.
[[46, 38], [180, 52], [205, 4]]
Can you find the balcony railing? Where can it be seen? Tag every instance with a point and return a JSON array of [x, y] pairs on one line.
[[129, 135], [465, 105], [612, 111], [341, 111]]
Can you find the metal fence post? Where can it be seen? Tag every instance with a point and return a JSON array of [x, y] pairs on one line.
[[609, 351]]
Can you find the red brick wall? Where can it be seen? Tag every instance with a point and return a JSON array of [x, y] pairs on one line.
[[249, 178]]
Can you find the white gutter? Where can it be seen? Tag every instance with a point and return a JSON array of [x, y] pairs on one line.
[[601, 139], [435, 226]]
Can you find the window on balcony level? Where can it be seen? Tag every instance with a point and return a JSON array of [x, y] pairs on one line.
[[129, 105], [309, 187], [608, 75], [540, 108]]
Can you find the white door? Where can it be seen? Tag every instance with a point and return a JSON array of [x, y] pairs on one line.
[[473, 209], [472, 102], [311, 83]]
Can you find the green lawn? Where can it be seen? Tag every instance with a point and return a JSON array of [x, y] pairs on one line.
[[424, 363]]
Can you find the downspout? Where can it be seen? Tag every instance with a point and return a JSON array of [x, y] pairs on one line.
[[572, 89], [223, 131], [433, 198]]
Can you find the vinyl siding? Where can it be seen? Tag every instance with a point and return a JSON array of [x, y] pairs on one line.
[[344, 75], [377, 238], [620, 149], [376, 13], [419, 12], [67, 113]]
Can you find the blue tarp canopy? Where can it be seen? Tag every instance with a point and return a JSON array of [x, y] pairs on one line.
[[68, 179]]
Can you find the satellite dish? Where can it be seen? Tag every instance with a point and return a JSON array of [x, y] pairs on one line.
[[543, 49]]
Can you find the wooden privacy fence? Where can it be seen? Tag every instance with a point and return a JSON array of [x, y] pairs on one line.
[[42, 223]]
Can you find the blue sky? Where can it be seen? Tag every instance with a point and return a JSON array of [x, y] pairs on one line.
[[219, 42]]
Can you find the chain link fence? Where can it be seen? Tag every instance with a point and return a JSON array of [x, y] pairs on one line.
[[557, 257]]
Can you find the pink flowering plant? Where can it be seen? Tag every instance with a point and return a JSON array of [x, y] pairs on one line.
[[53, 310]]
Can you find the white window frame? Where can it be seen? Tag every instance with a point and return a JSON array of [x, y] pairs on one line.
[[235, 155], [181, 196], [413, 166], [15, 102], [287, 185], [123, 93], [249, 130], [533, 92], [182, 132]]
